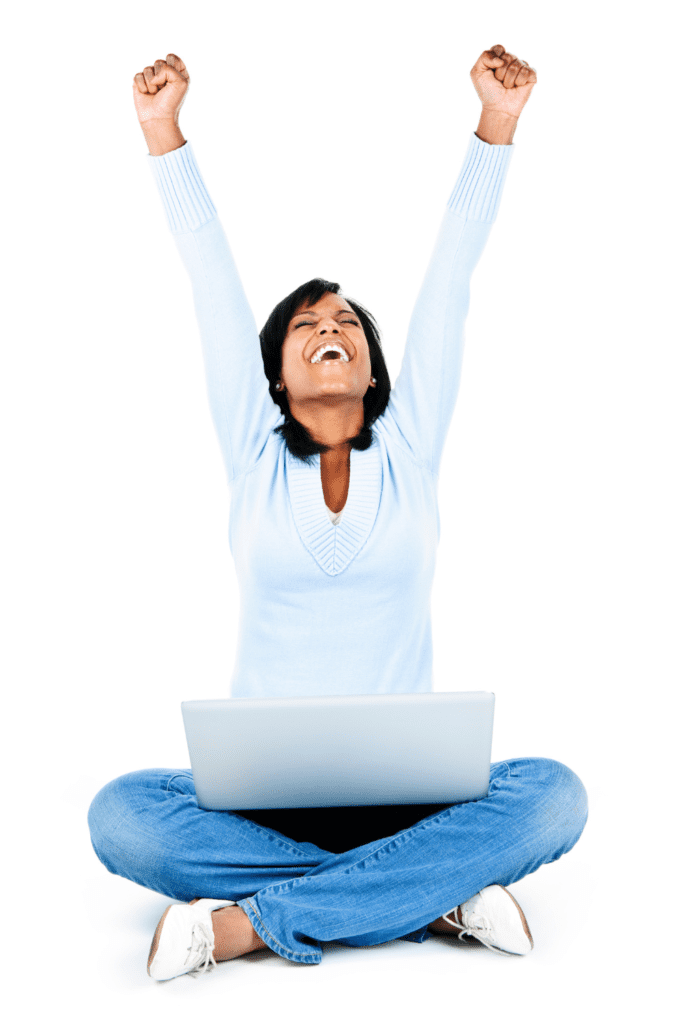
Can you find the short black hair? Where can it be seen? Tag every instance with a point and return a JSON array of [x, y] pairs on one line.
[[297, 438]]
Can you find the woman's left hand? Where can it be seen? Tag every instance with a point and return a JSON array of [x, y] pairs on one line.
[[503, 81]]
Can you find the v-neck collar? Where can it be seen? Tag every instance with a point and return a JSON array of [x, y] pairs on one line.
[[335, 547]]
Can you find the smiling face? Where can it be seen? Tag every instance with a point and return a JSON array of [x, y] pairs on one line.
[[311, 372]]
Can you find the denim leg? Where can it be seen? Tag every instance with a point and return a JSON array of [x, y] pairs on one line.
[[534, 812], [146, 826]]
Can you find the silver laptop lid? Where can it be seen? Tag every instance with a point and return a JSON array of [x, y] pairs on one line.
[[340, 751]]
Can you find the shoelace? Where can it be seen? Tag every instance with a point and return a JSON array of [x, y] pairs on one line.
[[202, 943], [476, 925]]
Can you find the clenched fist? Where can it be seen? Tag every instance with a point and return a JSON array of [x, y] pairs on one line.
[[503, 81], [159, 91], [158, 94]]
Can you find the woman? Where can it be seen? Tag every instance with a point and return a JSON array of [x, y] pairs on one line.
[[333, 529]]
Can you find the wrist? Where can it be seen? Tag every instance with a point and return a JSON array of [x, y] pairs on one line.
[[496, 127], [162, 135]]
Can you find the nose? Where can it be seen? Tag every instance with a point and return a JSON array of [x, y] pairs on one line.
[[328, 325]]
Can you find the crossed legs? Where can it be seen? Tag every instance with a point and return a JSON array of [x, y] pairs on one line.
[[146, 826]]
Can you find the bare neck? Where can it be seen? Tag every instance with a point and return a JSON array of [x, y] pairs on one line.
[[331, 422]]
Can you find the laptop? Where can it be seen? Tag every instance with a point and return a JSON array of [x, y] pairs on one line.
[[431, 748]]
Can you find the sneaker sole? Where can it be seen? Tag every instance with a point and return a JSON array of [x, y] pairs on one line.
[[155, 941], [524, 922]]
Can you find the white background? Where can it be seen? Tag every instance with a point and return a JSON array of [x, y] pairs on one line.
[[330, 138]]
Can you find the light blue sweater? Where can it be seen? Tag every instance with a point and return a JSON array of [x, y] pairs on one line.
[[333, 609]]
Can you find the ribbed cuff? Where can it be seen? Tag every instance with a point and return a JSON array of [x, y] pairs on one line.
[[477, 192], [183, 192]]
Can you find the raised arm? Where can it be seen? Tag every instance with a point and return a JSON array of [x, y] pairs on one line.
[[423, 398], [243, 411]]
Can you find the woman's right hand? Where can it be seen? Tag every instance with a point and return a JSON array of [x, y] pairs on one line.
[[158, 94], [159, 91]]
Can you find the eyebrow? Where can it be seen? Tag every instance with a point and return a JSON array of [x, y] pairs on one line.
[[313, 311]]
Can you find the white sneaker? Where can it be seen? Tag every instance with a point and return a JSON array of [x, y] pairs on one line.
[[183, 942], [495, 918]]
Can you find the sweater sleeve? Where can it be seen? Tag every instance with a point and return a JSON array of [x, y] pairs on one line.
[[422, 401], [243, 411]]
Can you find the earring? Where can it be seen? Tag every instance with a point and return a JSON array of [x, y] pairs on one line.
[[372, 380], [279, 386]]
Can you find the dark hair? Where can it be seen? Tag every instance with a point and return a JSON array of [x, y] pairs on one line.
[[297, 438]]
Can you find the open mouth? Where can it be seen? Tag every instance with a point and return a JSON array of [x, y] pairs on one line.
[[328, 351]]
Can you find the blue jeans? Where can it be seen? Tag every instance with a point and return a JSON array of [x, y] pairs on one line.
[[146, 826]]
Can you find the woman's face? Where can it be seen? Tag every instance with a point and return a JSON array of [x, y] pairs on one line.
[[308, 371]]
